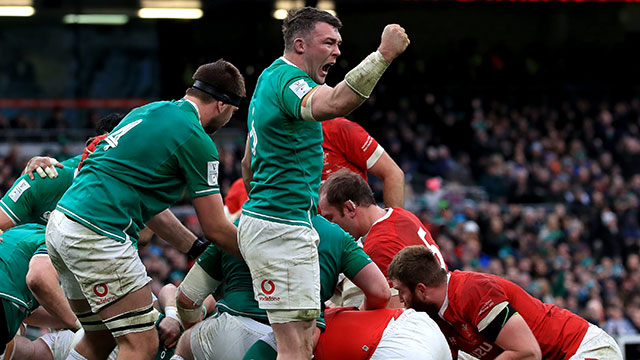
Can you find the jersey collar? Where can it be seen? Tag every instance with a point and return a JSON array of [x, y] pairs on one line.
[[445, 304], [289, 62], [383, 218], [195, 107]]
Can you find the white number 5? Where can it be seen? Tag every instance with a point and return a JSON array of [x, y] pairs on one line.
[[434, 249]]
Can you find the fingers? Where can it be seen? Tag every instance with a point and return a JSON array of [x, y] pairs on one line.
[[41, 172], [51, 171]]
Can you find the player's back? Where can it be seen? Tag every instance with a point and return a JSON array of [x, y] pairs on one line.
[[138, 170], [472, 295], [17, 247], [31, 201]]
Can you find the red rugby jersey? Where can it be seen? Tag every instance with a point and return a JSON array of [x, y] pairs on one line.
[[393, 232], [347, 145], [470, 298], [352, 334]]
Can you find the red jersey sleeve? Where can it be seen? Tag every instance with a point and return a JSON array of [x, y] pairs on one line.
[[236, 197]]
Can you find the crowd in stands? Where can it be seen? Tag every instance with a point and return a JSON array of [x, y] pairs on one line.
[[543, 192]]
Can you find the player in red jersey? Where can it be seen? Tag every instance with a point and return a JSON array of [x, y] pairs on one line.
[[489, 317], [347, 200], [347, 145], [380, 334]]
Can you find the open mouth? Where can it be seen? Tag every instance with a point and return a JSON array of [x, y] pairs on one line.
[[326, 67]]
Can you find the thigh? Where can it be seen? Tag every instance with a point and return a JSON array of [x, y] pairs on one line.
[[283, 260], [597, 344], [94, 267], [224, 336]]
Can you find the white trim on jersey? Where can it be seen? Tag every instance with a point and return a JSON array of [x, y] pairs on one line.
[[373, 159]]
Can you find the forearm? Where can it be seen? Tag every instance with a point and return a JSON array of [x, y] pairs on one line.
[[42, 280], [225, 236], [168, 227], [393, 190], [517, 355], [328, 103], [42, 318], [247, 174]]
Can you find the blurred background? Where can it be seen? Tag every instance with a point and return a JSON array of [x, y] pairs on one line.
[[517, 123]]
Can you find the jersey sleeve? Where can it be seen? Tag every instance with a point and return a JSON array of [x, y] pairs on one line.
[[294, 86], [198, 160], [18, 201], [210, 261], [358, 146], [354, 258], [486, 300], [42, 249]]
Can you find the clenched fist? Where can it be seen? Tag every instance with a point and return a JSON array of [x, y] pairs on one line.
[[394, 41]]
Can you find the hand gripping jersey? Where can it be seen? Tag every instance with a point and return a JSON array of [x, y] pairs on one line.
[[471, 297], [347, 145], [31, 201], [393, 232], [141, 168], [286, 151]]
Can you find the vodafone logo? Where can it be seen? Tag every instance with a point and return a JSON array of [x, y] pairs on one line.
[[101, 289], [268, 287]]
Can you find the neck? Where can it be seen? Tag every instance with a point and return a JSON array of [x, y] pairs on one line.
[[372, 213]]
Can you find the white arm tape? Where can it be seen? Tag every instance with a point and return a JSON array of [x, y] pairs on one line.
[[305, 107], [197, 285], [364, 77]]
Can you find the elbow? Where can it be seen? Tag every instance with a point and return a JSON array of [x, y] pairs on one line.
[[36, 282], [379, 298]]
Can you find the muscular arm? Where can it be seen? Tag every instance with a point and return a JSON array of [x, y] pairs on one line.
[[375, 287], [517, 340], [328, 103], [392, 180], [247, 175], [5, 222], [214, 223], [42, 279], [168, 227]]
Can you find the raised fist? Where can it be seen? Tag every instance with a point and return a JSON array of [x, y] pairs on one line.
[[394, 41]]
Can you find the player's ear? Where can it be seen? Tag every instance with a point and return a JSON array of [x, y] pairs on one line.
[[350, 206], [299, 45]]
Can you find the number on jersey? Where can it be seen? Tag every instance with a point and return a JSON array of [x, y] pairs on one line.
[[113, 138]]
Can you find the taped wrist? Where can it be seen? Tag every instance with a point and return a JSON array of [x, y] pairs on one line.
[[364, 77], [198, 247], [172, 313], [191, 315]]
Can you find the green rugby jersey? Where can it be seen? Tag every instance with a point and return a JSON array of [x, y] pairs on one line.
[[141, 168], [31, 201], [18, 245], [286, 151], [337, 252]]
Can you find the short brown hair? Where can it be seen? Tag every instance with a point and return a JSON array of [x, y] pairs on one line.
[[417, 264], [300, 22], [345, 185], [222, 75]]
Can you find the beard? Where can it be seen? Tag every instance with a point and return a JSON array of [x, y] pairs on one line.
[[430, 308]]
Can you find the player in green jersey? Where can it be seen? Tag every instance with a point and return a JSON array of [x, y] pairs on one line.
[[29, 281], [140, 169], [239, 322], [275, 234], [32, 199]]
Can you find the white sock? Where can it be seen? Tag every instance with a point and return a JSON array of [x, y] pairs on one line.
[[74, 355]]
